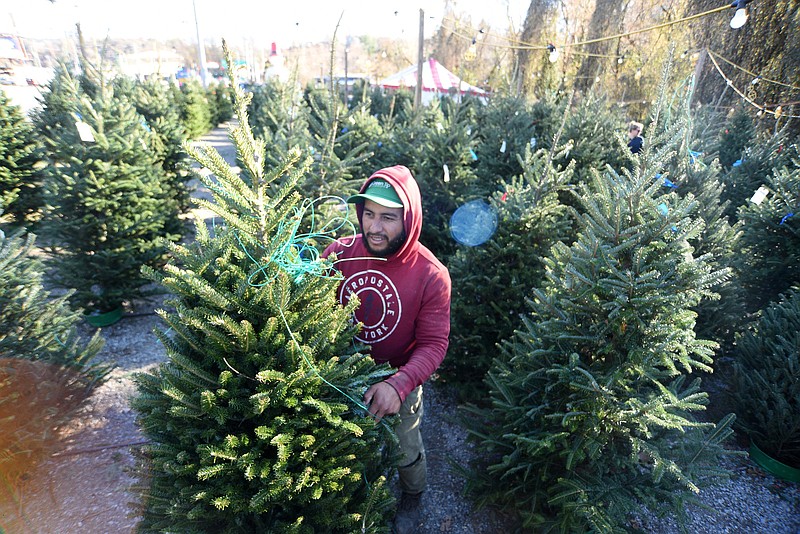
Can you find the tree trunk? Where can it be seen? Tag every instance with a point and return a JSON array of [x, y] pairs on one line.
[[607, 20], [537, 21]]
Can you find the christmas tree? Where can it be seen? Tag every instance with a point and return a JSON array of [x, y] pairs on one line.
[[104, 195], [255, 422], [160, 113], [770, 249], [278, 115], [592, 400], [195, 110], [46, 369], [766, 153], [736, 135], [507, 126], [490, 281], [21, 158], [333, 168], [767, 380]]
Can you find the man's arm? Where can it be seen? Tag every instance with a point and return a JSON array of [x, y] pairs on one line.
[[432, 331]]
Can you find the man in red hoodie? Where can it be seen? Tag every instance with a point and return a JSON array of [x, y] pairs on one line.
[[404, 294]]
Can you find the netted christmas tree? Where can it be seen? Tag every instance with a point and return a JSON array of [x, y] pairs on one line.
[[490, 281], [104, 195], [21, 162], [46, 368], [592, 401], [767, 380], [255, 422]]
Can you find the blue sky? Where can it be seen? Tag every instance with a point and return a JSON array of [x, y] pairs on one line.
[[262, 21]]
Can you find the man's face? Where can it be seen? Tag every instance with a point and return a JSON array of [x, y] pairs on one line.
[[633, 132], [383, 229]]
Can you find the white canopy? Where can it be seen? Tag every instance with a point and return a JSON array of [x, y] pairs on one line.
[[436, 81]]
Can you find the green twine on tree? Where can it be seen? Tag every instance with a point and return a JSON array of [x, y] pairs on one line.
[[298, 257]]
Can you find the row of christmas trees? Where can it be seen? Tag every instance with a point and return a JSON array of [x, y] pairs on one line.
[[611, 281], [100, 172]]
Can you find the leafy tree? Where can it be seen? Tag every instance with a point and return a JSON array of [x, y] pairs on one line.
[[254, 421]]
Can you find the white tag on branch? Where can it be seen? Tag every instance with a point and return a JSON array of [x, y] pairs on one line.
[[446, 171], [503, 147], [85, 131], [533, 142], [759, 196]]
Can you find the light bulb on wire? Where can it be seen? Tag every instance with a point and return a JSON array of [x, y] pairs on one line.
[[740, 17], [553, 57]]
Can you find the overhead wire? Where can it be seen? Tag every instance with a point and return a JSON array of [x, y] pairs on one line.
[[747, 99], [758, 76], [522, 45]]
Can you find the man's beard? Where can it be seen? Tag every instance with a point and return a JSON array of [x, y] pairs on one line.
[[393, 246]]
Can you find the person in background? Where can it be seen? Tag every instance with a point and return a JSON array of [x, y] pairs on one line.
[[404, 294], [634, 134]]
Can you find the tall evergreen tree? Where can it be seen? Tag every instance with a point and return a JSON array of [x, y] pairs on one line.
[[767, 380], [592, 401], [769, 260], [255, 423], [46, 367], [21, 161], [154, 102], [104, 197], [195, 110]]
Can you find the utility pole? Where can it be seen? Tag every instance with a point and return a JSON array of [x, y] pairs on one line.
[[201, 49], [418, 92]]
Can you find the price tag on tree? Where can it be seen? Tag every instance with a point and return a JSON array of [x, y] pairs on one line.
[[759, 196], [85, 132]]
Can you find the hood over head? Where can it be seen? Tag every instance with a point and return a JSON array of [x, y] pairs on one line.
[[404, 184]]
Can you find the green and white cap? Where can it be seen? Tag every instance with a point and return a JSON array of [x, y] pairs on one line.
[[379, 191]]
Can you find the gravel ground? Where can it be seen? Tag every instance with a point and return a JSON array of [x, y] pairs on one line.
[[84, 487]]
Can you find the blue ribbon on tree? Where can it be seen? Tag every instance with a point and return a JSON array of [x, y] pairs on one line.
[[785, 217]]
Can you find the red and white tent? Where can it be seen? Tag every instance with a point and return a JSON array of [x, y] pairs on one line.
[[436, 81]]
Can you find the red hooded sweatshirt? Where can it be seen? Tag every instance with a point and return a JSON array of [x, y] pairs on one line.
[[405, 298]]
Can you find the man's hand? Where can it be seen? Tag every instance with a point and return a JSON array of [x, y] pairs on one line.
[[382, 399]]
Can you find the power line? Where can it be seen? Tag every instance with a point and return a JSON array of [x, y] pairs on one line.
[[522, 45]]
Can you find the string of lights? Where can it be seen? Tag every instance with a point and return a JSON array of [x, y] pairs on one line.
[[516, 44], [756, 77], [777, 112]]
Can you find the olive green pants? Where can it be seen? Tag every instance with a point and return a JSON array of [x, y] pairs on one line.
[[412, 465]]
